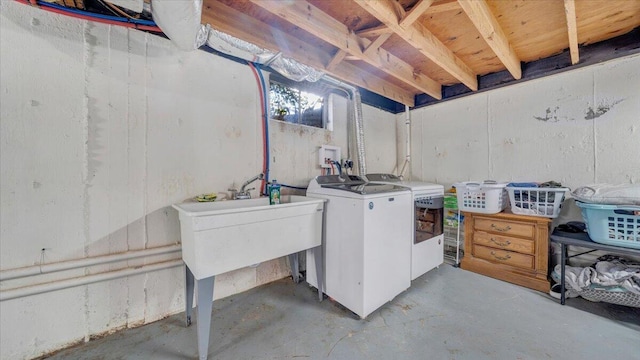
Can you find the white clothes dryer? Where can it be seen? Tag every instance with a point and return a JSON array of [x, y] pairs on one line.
[[427, 209]]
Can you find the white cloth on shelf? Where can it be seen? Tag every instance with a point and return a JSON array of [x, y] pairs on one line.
[[606, 274], [623, 194]]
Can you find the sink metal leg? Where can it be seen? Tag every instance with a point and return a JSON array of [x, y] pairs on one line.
[[563, 263], [189, 289], [295, 268], [205, 304], [317, 257]]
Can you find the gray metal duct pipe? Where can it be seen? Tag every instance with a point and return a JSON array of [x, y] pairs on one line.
[[356, 126]]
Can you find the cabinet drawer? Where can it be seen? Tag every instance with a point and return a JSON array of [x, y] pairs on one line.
[[504, 227], [503, 257], [524, 246]]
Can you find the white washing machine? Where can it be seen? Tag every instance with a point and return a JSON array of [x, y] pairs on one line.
[[366, 241], [427, 208]]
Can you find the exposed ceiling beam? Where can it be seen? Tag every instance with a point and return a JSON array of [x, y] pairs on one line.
[[442, 6], [313, 20], [337, 59], [416, 11], [374, 31], [424, 41], [433, 9], [483, 19], [376, 44], [572, 29], [226, 19]]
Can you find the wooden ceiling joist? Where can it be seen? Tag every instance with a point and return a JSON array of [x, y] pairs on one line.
[[483, 19], [572, 29], [416, 11], [422, 40], [374, 31], [376, 44], [442, 6], [337, 59], [226, 19], [313, 20]]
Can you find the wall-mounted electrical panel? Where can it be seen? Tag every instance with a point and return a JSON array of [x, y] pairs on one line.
[[326, 154]]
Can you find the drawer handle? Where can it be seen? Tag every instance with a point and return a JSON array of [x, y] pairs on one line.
[[506, 243], [506, 228], [507, 257]]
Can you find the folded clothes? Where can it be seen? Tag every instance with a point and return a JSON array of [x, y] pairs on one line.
[[523, 184], [547, 184], [551, 184]]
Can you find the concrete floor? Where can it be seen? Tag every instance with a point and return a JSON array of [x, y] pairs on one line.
[[448, 313]]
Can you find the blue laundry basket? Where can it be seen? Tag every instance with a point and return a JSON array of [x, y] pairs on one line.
[[617, 225]]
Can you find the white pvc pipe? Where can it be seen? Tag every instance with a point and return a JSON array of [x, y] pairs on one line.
[[85, 280], [90, 261], [407, 124]]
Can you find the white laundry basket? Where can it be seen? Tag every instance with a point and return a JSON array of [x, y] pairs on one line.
[[536, 201], [487, 197]]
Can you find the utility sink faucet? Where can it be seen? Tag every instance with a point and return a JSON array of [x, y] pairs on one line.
[[244, 192]]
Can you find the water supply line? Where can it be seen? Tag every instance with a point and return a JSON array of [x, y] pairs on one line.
[[26, 271], [407, 124], [16, 293]]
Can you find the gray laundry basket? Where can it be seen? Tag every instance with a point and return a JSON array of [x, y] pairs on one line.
[[614, 295], [625, 298]]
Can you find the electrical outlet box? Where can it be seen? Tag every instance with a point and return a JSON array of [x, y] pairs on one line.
[[326, 154]]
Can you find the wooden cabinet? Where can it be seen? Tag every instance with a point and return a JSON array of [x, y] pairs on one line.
[[509, 247]]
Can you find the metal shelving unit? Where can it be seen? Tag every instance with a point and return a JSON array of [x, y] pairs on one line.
[[453, 233]]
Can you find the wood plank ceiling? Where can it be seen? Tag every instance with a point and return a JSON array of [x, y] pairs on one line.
[[403, 48], [415, 49]]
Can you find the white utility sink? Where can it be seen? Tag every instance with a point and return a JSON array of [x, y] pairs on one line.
[[218, 237], [223, 236]]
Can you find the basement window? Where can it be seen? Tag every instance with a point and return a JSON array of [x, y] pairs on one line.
[[298, 104]]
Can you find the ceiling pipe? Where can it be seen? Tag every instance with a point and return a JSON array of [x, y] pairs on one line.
[[407, 124]]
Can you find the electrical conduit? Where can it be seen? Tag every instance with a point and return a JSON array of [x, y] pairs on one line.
[[407, 124], [356, 109], [265, 126], [265, 115]]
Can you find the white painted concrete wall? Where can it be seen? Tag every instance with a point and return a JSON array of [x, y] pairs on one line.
[[102, 129], [579, 127]]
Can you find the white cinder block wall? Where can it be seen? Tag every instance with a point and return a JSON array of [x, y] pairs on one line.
[[579, 127], [102, 129]]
